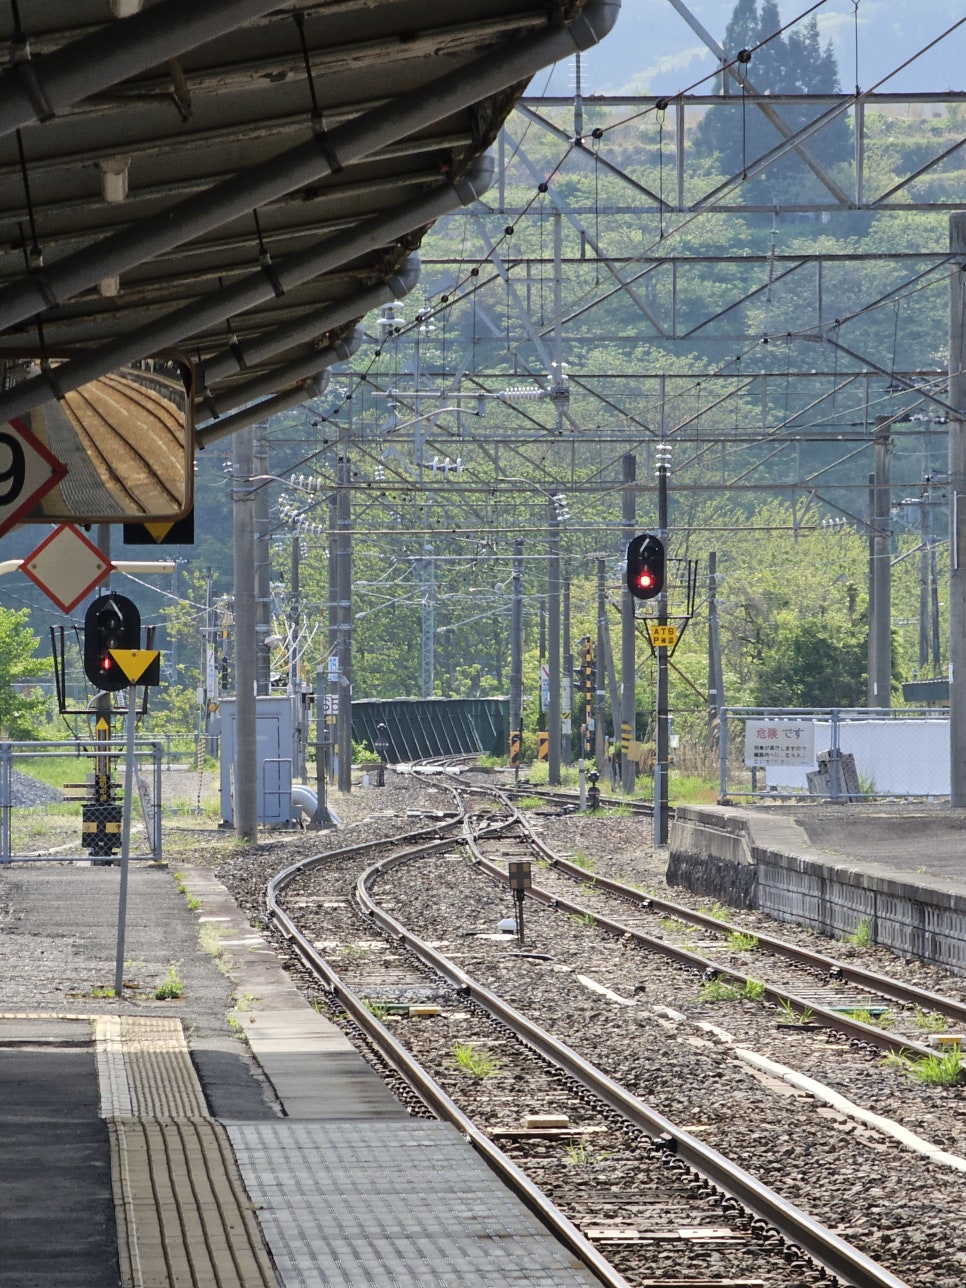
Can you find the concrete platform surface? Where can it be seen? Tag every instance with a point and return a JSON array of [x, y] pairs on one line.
[[193, 1143]]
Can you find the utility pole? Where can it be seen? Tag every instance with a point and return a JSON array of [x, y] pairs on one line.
[[628, 635], [243, 520], [263, 566], [516, 657], [553, 643], [600, 670], [344, 609], [426, 572], [567, 680], [663, 727], [881, 627], [716, 694], [957, 517], [299, 731], [333, 591], [925, 542]]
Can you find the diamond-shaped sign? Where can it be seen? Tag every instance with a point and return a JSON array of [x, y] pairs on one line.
[[66, 566], [28, 470]]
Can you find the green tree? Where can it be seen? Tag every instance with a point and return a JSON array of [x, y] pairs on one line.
[[792, 63], [21, 702], [813, 662]]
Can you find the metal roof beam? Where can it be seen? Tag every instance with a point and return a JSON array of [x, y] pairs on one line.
[[308, 363], [278, 339], [311, 162], [262, 411], [38, 89], [174, 327]]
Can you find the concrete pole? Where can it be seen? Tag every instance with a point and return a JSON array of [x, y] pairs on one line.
[[243, 514], [870, 664], [925, 540], [628, 637], [663, 717], [516, 649], [716, 695], [553, 643], [600, 671], [957, 517], [567, 680], [881, 567], [344, 590], [333, 590], [263, 566]]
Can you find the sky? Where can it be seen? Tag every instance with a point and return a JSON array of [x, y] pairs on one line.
[[652, 50]]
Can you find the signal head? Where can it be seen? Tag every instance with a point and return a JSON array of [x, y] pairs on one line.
[[645, 566]]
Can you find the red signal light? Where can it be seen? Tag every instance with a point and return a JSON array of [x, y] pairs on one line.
[[645, 566]]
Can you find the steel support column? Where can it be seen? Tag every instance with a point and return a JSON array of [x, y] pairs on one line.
[[957, 518]]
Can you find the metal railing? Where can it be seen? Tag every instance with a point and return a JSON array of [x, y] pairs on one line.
[[81, 819]]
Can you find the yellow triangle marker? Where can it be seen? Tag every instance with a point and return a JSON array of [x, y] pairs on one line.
[[159, 530], [134, 661], [102, 726]]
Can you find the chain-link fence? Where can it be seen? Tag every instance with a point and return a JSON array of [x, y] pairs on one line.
[[833, 753], [64, 800]]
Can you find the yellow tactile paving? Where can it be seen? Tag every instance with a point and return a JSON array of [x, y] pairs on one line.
[[145, 1070], [183, 1216], [184, 1219]]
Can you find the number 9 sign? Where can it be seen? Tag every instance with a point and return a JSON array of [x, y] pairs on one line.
[[28, 470]]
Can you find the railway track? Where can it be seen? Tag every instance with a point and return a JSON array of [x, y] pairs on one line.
[[369, 976]]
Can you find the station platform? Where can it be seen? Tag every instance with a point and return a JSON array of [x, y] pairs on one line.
[[898, 871], [201, 1142]]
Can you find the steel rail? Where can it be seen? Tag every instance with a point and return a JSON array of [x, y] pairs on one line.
[[894, 990], [830, 1251], [817, 1014], [403, 1063]]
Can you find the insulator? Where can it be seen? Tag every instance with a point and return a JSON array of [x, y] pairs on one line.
[[522, 393]]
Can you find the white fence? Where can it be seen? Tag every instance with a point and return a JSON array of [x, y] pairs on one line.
[[903, 752]]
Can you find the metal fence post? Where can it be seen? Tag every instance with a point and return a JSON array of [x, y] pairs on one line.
[[723, 751], [6, 800], [156, 820]]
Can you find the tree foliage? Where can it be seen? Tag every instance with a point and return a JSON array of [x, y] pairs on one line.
[[21, 702], [778, 63]]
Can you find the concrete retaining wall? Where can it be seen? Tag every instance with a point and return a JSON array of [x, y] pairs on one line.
[[749, 860]]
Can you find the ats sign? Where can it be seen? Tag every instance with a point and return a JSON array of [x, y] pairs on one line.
[[779, 742]]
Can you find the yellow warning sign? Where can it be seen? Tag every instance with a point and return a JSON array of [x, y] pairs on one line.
[[663, 636], [159, 530], [134, 661]]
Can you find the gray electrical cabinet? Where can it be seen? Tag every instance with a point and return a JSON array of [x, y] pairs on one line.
[[273, 755]]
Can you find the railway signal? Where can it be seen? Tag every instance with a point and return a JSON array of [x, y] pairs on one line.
[[645, 566], [111, 622]]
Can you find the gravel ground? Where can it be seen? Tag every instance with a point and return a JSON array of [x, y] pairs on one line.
[[901, 1209]]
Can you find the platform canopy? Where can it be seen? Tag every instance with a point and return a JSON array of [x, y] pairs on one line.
[[217, 191]]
